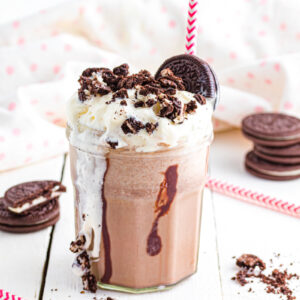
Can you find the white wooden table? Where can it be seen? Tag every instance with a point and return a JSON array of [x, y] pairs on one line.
[[38, 265]]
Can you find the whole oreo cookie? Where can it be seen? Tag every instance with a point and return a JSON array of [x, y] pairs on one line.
[[38, 218], [272, 129], [197, 75], [270, 170], [289, 160], [288, 151]]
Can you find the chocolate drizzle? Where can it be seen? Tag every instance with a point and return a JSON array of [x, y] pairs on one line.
[[163, 203], [106, 241]]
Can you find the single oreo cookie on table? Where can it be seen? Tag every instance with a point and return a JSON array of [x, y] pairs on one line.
[[289, 160], [272, 129], [23, 197], [268, 170], [198, 77], [36, 219]]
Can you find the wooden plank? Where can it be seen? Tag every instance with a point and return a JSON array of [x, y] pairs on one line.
[[245, 228], [61, 283], [22, 256]]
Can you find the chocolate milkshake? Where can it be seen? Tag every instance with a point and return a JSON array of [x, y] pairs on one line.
[[138, 149]]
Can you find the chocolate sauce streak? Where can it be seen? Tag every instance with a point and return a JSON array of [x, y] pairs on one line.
[[163, 203], [106, 241]]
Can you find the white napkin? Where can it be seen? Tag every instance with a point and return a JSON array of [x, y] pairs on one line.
[[254, 46]]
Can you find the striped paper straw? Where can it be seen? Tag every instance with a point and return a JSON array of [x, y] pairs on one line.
[[8, 296], [191, 28], [253, 197]]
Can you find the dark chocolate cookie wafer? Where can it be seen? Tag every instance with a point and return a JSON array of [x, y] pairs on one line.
[[272, 171], [197, 75], [272, 129], [277, 158], [23, 197], [38, 215], [289, 151], [27, 229]]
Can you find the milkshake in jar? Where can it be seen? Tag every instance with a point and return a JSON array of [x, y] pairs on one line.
[[138, 150]]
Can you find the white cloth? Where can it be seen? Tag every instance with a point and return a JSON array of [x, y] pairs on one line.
[[254, 46]]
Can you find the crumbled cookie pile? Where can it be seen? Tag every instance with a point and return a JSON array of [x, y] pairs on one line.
[[277, 281]]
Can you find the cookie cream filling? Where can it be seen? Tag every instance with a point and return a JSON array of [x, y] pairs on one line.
[[35, 202], [279, 173]]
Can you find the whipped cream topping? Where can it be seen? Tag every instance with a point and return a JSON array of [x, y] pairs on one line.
[[132, 118]]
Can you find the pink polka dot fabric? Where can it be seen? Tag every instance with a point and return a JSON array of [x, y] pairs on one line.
[[253, 45]]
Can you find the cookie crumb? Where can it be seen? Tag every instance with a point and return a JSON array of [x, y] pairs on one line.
[[276, 282]]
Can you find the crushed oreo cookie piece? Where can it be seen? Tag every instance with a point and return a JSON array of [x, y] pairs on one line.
[[169, 80], [83, 260], [150, 102], [110, 79], [90, 71], [121, 70], [241, 277], [78, 245], [277, 281], [131, 125], [167, 83], [250, 261], [170, 91], [166, 107], [170, 107], [91, 86], [128, 82], [191, 107], [89, 282], [150, 127], [113, 145], [139, 104], [122, 94], [149, 89], [200, 99], [123, 102]]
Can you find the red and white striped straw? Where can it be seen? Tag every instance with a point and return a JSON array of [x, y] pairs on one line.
[[8, 296], [253, 197], [191, 28]]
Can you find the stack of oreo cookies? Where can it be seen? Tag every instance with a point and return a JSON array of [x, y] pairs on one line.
[[30, 206], [276, 152]]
